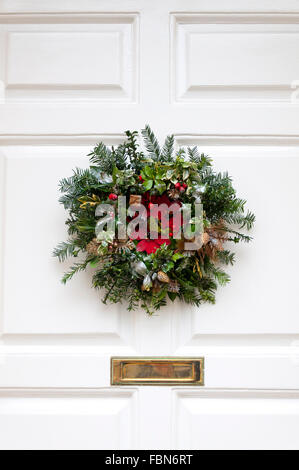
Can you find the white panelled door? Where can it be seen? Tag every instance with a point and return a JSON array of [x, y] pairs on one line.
[[218, 74]]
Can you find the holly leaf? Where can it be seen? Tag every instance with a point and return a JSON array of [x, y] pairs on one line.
[[148, 184], [177, 256], [168, 266], [149, 172], [160, 186], [172, 295]]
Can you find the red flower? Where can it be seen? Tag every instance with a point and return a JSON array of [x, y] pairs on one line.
[[173, 223], [150, 246]]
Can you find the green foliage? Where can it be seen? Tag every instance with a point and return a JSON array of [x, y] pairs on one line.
[[126, 170], [167, 150], [151, 143], [76, 269], [202, 161], [66, 249], [102, 157]]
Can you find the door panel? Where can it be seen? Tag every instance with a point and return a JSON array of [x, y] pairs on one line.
[[234, 420], [69, 57], [76, 420], [246, 57]]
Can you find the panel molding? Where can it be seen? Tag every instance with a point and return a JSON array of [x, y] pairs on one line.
[[237, 139], [68, 392], [21, 87], [185, 92], [182, 139], [238, 419], [61, 139], [110, 417]]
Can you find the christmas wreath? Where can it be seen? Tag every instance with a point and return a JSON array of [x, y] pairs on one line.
[[140, 252]]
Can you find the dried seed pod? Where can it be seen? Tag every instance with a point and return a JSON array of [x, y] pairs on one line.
[[139, 267], [147, 283]]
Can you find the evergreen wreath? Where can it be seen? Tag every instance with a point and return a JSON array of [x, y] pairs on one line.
[[144, 272]]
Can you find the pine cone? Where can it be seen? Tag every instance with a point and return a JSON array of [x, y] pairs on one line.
[[162, 277], [173, 286], [173, 194], [135, 199], [92, 247], [205, 238], [123, 245]]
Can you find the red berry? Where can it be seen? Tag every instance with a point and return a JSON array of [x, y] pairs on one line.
[[182, 189], [170, 234], [150, 205], [185, 186], [177, 185], [140, 178], [112, 197]]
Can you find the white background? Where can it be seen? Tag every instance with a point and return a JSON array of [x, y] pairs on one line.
[[217, 74]]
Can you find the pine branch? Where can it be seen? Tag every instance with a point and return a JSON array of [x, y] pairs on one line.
[[226, 257], [66, 249], [221, 276], [75, 269], [167, 149], [240, 219], [238, 236], [151, 143]]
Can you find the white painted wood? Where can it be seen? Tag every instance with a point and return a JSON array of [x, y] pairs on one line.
[[218, 75], [234, 57], [73, 419], [57, 57], [236, 420]]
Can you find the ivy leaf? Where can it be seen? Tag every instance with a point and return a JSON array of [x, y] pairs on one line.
[[185, 174], [169, 174]]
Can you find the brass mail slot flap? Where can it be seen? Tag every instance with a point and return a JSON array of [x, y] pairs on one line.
[[157, 371]]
